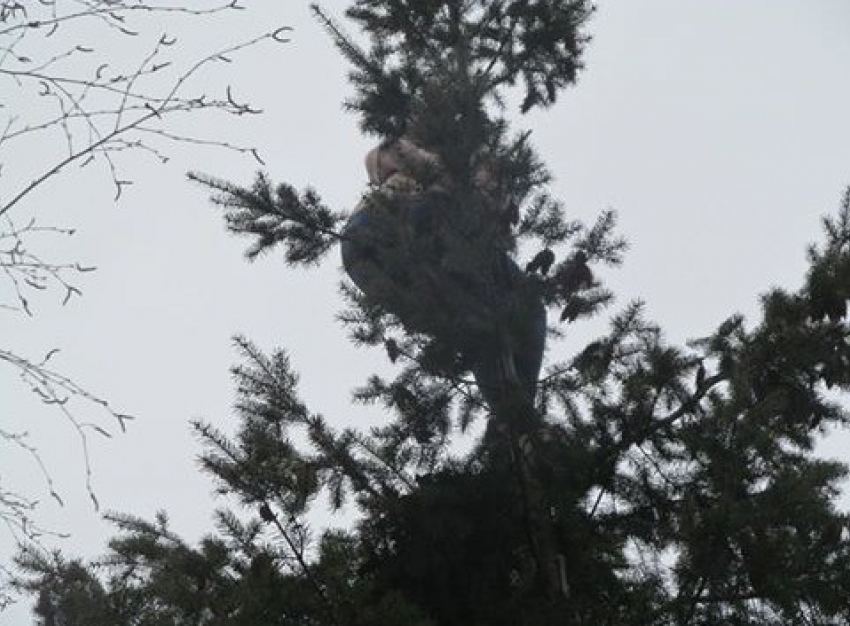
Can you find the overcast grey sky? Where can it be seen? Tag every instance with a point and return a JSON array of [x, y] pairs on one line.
[[719, 130]]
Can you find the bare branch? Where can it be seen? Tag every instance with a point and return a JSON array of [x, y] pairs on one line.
[[62, 85], [138, 106]]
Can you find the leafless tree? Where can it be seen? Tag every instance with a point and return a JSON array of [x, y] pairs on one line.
[[63, 85]]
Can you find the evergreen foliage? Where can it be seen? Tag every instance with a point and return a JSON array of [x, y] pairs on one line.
[[649, 485]]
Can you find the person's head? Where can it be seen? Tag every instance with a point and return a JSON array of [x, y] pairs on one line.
[[394, 157]]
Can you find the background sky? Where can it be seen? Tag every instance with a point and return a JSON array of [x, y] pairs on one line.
[[719, 130]]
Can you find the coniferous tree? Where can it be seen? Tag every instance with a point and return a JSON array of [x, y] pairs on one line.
[[647, 484]]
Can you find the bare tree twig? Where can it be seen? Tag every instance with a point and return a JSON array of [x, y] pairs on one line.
[[62, 84]]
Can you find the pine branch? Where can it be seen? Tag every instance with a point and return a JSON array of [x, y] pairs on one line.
[[305, 226]]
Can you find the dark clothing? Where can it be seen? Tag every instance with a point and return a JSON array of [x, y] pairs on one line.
[[399, 254]]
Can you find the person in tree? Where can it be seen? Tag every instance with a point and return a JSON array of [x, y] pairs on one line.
[[408, 245]]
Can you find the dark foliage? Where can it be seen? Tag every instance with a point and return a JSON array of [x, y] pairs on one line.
[[275, 215], [649, 485]]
